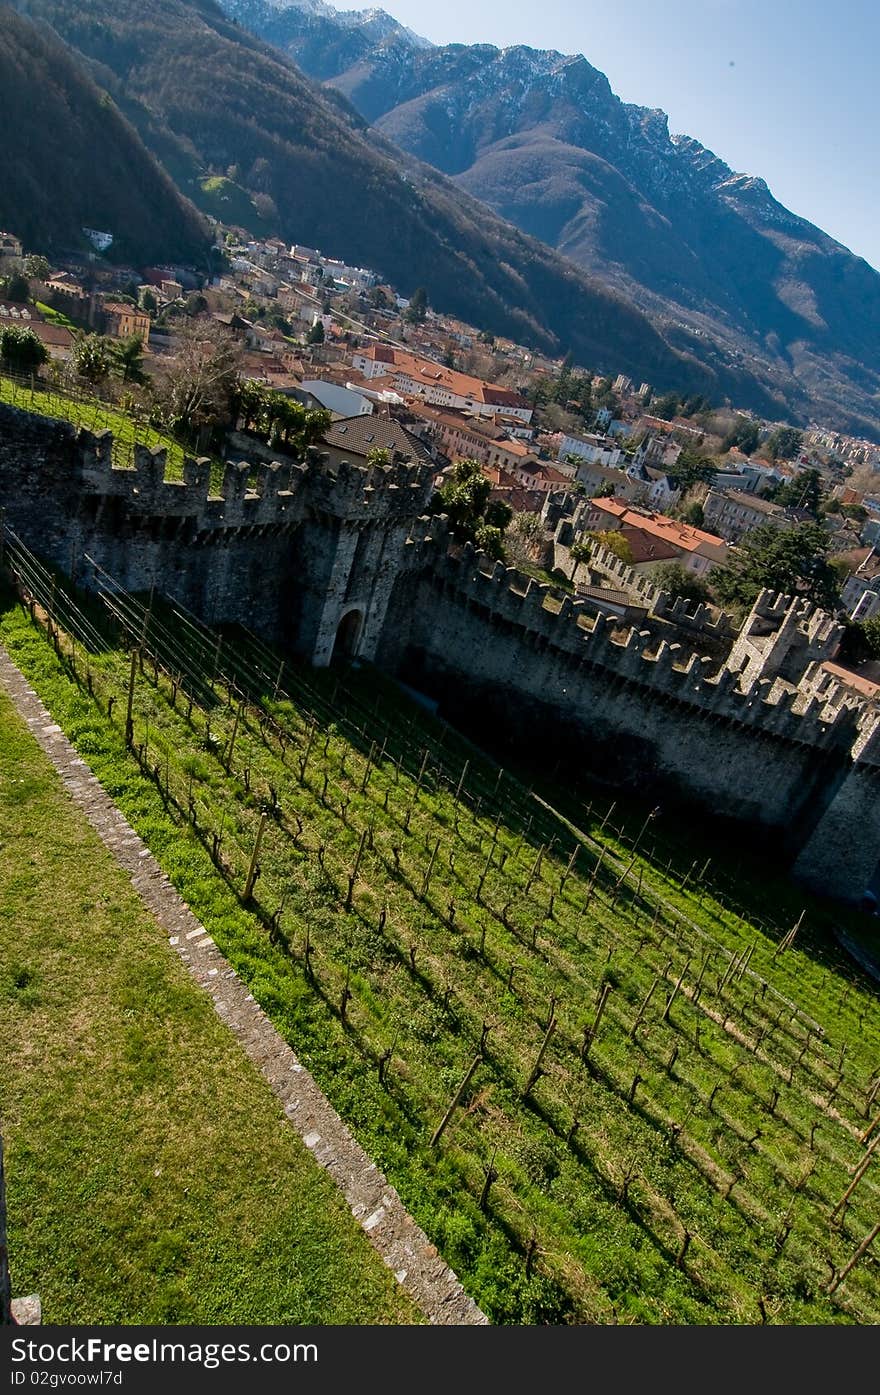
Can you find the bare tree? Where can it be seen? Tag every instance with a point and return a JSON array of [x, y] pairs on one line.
[[525, 539], [196, 389]]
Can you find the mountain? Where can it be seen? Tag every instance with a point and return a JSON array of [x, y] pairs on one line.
[[73, 160], [213, 102], [542, 139]]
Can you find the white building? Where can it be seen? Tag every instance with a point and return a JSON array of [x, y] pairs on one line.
[[340, 401], [595, 450]]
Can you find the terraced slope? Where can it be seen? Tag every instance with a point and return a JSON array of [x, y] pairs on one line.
[[607, 1091]]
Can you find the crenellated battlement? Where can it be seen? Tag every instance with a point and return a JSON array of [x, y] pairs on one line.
[[552, 620], [326, 559], [266, 493], [693, 616]]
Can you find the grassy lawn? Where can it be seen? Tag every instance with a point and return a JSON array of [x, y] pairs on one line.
[[151, 1176], [53, 316]]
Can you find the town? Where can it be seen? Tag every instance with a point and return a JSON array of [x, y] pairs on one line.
[[674, 488]]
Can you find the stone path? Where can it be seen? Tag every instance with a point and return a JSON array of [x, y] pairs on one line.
[[403, 1246]]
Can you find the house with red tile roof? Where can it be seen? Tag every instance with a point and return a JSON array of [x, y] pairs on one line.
[[653, 538], [438, 385]]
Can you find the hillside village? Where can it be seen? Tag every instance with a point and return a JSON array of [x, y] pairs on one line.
[[676, 485]]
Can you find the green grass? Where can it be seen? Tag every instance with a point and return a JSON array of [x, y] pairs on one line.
[[151, 1175], [684, 1167], [97, 416], [53, 316], [228, 202], [556, 579]]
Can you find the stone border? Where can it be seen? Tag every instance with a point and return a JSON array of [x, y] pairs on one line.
[[402, 1244]]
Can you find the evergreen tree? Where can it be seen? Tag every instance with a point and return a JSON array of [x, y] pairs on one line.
[[471, 515], [784, 443], [418, 306], [791, 561], [20, 350]]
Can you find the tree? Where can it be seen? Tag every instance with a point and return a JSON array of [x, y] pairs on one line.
[[605, 396], [472, 516], [784, 443], [856, 511], [802, 492], [580, 551], [498, 514], [614, 541], [149, 302], [861, 640], [198, 387], [792, 561], [16, 287], [691, 468], [666, 407], [195, 305], [745, 436], [20, 350], [524, 539], [418, 306], [90, 357], [36, 267], [490, 540], [676, 580], [691, 513], [316, 333], [279, 420], [378, 456], [127, 358]]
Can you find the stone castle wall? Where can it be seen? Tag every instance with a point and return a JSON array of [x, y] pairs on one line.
[[319, 558], [490, 644], [284, 550]]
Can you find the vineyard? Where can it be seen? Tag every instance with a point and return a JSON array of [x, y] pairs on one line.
[[88, 411], [608, 1090]]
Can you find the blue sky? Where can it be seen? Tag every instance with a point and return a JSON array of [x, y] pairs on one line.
[[786, 89]]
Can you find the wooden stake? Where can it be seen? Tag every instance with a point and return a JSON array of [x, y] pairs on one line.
[[641, 1012], [367, 771], [673, 995], [838, 1279], [866, 1134], [536, 869], [859, 1174], [253, 869], [346, 994], [788, 940], [129, 721], [464, 771], [456, 1099], [491, 1176], [536, 1068], [593, 876], [590, 1032], [569, 869]]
